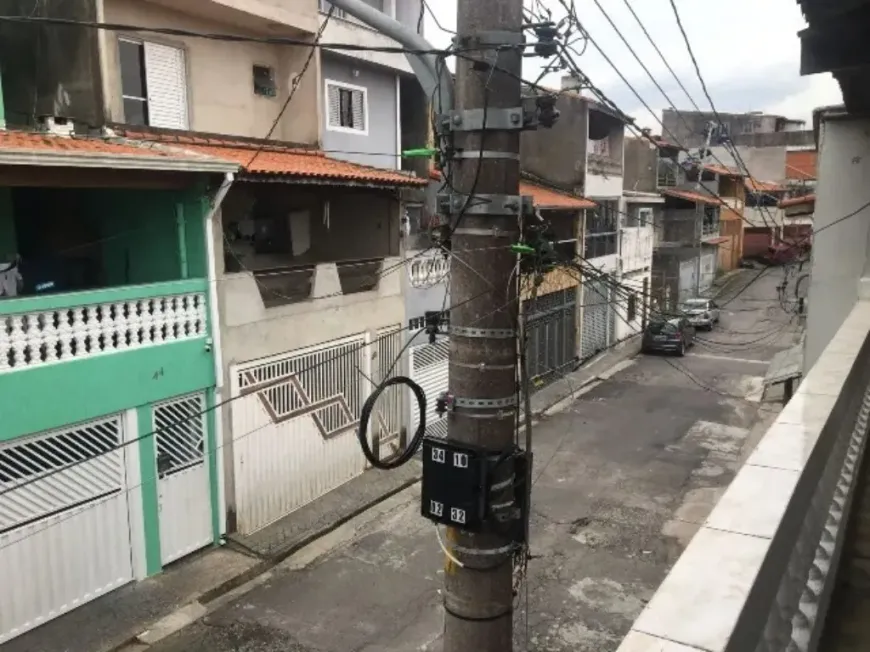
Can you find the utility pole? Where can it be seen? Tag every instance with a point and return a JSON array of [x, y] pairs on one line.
[[701, 210], [478, 595]]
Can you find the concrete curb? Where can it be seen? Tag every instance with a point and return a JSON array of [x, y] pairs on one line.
[[199, 605]]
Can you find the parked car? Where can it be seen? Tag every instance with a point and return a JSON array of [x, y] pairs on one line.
[[701, 313], [783, 253], [673, 335]]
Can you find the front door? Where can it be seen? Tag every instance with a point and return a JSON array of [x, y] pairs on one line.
[[183, 485]]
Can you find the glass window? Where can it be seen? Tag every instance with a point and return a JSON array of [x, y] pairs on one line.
[[132, 59], [264, 81]]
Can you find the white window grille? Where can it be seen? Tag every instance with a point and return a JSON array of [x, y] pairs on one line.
[[347, 108]]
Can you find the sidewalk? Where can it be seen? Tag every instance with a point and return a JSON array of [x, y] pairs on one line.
[[140, 614]]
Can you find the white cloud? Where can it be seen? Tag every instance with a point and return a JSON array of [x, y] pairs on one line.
[[748, 52]]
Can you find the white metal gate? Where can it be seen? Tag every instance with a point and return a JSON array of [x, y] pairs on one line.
[[64, 522], [294, 427], [598, 318], [387, 429], [688, 274], [708, 269], [183, 486], [429, 369]]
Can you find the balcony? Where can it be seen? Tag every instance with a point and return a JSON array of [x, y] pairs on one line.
[[668, 175], [100, 348], [788, 538]]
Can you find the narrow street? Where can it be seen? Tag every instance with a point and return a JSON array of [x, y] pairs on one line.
[[624, 475]]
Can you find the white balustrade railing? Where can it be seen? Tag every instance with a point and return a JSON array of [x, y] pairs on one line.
[[66, 330], [759, 574]]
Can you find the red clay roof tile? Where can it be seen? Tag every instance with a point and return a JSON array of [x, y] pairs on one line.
[[688, 195]]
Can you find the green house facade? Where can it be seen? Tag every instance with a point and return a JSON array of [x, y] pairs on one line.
[[108, 450]]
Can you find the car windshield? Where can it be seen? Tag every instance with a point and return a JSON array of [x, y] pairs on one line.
[[695, 304]]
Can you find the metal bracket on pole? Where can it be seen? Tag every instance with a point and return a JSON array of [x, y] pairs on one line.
[[477, 154], [485, 204], [486, 333], [513, 119], [484, 403]]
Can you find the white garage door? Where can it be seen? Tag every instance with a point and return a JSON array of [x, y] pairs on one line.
[[295, 439], [598, 318], [429, 369], [64, 522]]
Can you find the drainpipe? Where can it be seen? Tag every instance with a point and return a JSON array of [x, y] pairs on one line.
[[213, 294], [212, 277], [425, 66]]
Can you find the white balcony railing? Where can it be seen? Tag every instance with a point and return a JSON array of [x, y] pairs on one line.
[[58, 328], [758, 576]]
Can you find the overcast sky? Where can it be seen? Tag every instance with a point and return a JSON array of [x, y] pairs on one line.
[[748, 52]]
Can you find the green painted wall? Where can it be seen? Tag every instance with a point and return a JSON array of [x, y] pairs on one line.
[[150, 497], [41, 398], [141, 238]]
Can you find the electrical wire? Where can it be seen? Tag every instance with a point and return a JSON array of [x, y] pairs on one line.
[[259, 388], [365, 415]]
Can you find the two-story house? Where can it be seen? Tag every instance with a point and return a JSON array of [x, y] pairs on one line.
[[268, 272], [688, 245], [583, 155]]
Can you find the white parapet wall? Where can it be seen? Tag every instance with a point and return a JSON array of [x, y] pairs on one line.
[[759, 574]]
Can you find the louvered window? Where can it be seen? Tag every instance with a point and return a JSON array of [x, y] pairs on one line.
[[154, 84], [347, 107]]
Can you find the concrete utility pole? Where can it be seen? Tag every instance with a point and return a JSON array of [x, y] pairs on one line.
[[699, 222], [478, 596]]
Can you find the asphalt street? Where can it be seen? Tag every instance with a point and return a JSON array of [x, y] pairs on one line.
[[624, 475]]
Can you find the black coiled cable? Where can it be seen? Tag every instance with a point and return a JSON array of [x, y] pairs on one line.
[[365, 414]]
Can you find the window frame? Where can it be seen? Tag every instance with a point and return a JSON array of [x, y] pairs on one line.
[[140, 43], [273, 78], [328, 83]]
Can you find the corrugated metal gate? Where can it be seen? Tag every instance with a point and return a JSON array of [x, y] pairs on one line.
[[598, 318], [429, 369], [552, 333], [294, 439], [64, 522]]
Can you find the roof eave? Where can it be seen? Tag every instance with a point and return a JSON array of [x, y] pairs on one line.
[[48, 158], [271, 177]]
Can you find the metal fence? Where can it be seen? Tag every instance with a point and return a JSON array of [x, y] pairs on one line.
[[552, 334]]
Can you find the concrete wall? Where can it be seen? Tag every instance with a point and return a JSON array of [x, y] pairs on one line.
[[383, 129], [600, 186], [559, 154], [640, 165], [349, 30], [221, 97], [687, 127], [680, 225], [763, 163], [802, 138], [50, 70], [839, 256]]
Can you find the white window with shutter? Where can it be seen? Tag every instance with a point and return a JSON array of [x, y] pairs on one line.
[[347, 108], [154, 84]]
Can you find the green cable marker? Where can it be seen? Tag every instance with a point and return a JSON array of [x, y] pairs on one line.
[[522, 249], [422, 152]]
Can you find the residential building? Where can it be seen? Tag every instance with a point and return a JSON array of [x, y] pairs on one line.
[[288, 279], [109, 451], [688, 249], [583, 155], [688, 128], [780, 562]]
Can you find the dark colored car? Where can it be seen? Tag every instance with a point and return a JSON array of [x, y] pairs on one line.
[[673, 335]]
